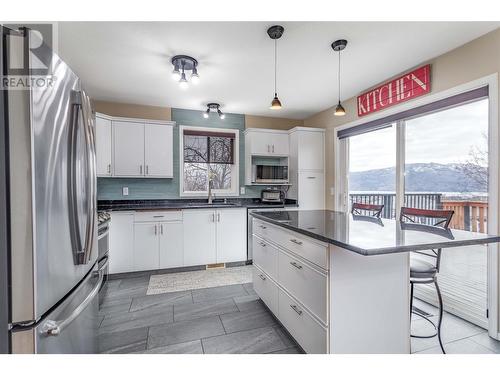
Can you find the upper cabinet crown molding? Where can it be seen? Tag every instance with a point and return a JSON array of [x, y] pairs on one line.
[[130, 147]]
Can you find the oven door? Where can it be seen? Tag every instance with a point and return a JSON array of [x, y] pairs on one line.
[[104, 270], [103, 240]]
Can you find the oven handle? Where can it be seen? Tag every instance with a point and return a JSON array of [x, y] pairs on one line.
[[54, 328], [103, 234]]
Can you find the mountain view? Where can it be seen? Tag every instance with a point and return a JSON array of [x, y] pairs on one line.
[[421, 177]]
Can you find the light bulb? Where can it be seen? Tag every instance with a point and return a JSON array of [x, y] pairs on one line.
[[176, 75], [183, 83], [205, 115], [222, 116], [195, 78]]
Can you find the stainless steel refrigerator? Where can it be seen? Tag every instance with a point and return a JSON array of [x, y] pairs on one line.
[[50, 201]]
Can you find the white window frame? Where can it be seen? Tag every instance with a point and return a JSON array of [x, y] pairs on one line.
[[235, 173], [341, 152]]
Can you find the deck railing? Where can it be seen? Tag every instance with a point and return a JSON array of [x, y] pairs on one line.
[[469, 215]]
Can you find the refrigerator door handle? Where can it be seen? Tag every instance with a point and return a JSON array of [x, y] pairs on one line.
[[54, 328], [92, 181], [78, 247]]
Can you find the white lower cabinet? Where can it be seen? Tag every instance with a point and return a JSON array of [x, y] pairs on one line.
[[266, 288], [121, 242], [304, 328], [199, 237], [214, 236], [291, 276], [171, 245], [231, 235], [146, 246]]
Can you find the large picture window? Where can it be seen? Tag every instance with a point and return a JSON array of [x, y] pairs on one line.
[[209, 157]]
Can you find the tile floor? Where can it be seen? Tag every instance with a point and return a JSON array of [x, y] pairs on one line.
[[226, 319], [232, 319]]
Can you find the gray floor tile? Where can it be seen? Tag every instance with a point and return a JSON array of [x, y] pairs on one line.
[[220, 292], [292, 350], [124, 341], [464, 346], [190, 347], [453, 329], [190, 330], [203, 309], [115, 306], [485, 340], [125, 293], [249, 288], [142, 318], [249, 302], [248, 319], [133, 282], [159, 300], [260, 340], [285, 337]]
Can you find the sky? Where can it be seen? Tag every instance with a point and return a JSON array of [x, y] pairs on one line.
[[443, 137]]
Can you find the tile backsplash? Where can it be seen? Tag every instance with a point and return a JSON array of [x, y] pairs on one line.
[[109, 188]]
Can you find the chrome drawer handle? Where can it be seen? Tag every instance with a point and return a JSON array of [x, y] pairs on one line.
[[296, 309], [298, 266], [158, 216], [262, 226], [262, 277], [262, 244], [296, 241]]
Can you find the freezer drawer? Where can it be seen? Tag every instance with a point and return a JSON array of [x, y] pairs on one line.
[[70, 328]]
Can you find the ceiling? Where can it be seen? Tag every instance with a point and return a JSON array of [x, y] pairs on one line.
[[130, 61]]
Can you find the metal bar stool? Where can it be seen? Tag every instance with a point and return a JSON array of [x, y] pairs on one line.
[[373, 209], [423, 272]]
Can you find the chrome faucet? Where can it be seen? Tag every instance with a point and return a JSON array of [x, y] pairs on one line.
[[210, 191]]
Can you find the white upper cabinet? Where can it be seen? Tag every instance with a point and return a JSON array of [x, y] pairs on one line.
[[311, 150], [103, 146], [231, 235], [158, 155], [129, 148], [267, 142], [279, 144], [134, 147]]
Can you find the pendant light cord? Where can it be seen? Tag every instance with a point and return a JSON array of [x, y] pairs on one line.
[[275, 63], [339, 76]]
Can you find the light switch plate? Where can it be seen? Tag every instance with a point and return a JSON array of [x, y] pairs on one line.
[[242, 190], [125, 190]]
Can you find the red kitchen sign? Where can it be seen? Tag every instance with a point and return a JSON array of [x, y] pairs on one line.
[[399, 90]]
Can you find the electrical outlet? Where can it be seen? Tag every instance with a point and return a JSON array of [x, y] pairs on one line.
[[125, 190], [242, 190]]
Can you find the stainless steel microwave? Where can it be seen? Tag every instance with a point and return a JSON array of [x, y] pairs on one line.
[[270, 174]]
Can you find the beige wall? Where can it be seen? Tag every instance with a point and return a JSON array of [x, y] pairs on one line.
[[271, 122], [133, 110], [476, 59]]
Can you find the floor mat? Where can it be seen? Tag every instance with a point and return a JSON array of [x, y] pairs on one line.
[[176, 282]]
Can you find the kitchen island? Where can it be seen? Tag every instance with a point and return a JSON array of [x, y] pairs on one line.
[[339, 282]]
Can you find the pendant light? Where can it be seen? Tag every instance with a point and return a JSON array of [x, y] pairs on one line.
[[338, 46], [275, 32], [183, 63]]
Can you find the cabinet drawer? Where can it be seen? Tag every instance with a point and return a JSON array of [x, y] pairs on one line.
[[265, 256], [310, 334], [142, 216], [261, 228], [302, 246], [266, 289], [306, 284]]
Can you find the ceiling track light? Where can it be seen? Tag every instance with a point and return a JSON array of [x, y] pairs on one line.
[[275, 32], [339, 46], [183, 63], [214, 107]]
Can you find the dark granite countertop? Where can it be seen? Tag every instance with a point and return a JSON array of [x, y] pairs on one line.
[[178, 204], [371, 236]]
